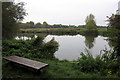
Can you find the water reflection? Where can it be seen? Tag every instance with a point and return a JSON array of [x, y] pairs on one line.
[[23, 38], [70, 47], [90, 41]]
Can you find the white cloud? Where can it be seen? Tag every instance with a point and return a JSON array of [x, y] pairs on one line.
[[69, 11]]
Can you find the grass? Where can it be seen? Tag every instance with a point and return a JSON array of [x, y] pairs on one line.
[[56, 69], [67, 31]]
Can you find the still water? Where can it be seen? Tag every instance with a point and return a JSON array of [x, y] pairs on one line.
[[70, 47]]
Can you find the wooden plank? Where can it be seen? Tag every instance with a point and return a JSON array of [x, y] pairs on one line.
[[27, 62]]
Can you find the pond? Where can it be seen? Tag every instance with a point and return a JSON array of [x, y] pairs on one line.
[[70, 47]]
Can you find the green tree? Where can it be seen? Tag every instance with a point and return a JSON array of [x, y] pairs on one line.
[[12, 13], [114, 23], [38, 24], [90, 22], [31, 23], [45, 24]]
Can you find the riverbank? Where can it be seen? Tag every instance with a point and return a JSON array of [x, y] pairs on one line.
[[67, 31], [56, 68]]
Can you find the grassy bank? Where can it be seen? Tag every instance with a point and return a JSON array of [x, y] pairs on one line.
[[56, 69], [54, 31], [67, 31]]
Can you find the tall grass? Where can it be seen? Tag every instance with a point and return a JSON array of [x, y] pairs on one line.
[[105, 63]]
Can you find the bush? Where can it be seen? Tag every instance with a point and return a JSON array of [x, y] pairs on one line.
[[104, 64], [88, 64], [91, 32], [30, 48], [51, 46], [38, 41], [87, 32]]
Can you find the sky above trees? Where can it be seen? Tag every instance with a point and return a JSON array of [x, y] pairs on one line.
[[67, 12]]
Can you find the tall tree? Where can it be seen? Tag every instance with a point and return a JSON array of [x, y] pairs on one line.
[[12, 13], [114, 23], [31, 23], [38, 24], [45, 24], [90, 22]]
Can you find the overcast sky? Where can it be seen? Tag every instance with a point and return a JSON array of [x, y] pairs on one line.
[[67, 12]]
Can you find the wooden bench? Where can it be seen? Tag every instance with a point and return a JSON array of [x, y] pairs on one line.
[[26, 62]]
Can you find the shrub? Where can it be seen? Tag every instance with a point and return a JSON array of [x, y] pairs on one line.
[[51, 46], [30, 48], [89, 64], [38, 41], [104, 64]]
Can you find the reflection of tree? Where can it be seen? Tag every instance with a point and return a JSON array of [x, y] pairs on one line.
[[89, 41]]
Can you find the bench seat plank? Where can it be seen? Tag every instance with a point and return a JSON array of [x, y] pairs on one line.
[[27, 62]]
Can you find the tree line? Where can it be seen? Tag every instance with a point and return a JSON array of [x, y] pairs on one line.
[[31, 24], [90, 24]]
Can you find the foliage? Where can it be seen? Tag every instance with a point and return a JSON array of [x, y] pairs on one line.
[[55, 70], [45, 24], [52, 46], [12, 13], [90, 22], [114, 21], [92, 32], [38, 24], [91, 27], [38, 41], [68, 31], [105, 63], [105, 32], [87, 63], [110, 58], [30, 48], [31, 23], [89, 40]]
